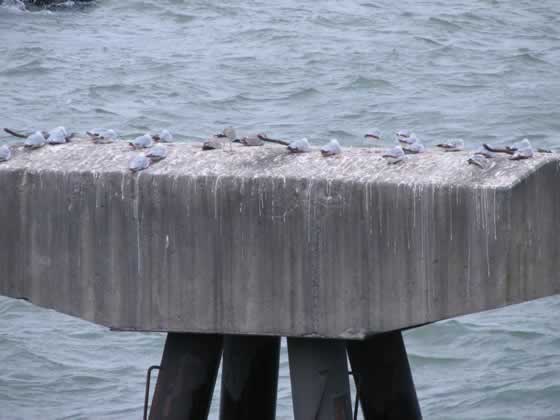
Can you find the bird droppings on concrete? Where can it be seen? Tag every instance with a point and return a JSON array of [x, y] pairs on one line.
[[263, 241]]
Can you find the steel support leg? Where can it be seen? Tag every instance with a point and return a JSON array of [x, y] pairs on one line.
[[382, 373], [249, 378], [187, 377], [319, 376]]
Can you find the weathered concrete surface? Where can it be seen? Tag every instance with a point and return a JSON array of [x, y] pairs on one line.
[[261, 242]]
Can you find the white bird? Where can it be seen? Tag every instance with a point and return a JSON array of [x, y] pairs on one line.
[[410, 139], [35, 140], [157, 153], [452, 145], [143, 142], [523, 144], [394, 155], [403, 134], [413, 148], [252, 140], [230, 134], [5, 153], [164, 137], [331, 148], [214, 142], [139, 163], [57, 135], [299, 146], [374, 133], [482, 151], [103, 136], [479, 160], [523, 150]]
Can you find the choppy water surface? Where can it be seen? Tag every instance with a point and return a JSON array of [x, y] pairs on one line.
[[483, 70]]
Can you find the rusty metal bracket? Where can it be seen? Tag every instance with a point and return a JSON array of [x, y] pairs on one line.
[[147, 395]]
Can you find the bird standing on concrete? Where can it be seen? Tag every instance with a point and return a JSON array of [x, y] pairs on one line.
[[403, 135], [252, 140], [522, 150], [157, 153], [139, 163], [163, 137], [5, 153], [452, 145], [102, 136], [374, 134], [478, 160], [483, 151], [415, 147], [394, 155], [299, 146], [35, 140], [214, 142], [229, 134], [57, 135], [143, 142], [331, 148]]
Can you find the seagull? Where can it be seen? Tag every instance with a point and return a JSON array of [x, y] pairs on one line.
[[252, 140], [142, 142], [157, 153], [228, 133], [522, 150], [452, 145], [214, 142], [331, 148], [523, 144], [409, 139], [5, 153], [35, 140], [57, 135], [299, 146], [483, 151], [394, 155], [415, 147], [139, 163], [102, 136], [403, 134], [375, 134], [479, 160], [164, 137]]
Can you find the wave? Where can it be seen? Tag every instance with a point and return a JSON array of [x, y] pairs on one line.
[[444, 23], [13, 5], [363, 82], [35, 66], [43, 5]]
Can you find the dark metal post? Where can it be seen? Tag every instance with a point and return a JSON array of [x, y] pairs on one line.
[[249, 378], [187, 377], [319, 376], [381, 368]]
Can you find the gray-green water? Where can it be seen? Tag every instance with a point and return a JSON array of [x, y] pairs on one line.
[[485, 70]]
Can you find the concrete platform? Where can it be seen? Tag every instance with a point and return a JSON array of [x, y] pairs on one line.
[[257, 241]]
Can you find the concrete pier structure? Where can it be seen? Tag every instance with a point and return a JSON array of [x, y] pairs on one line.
[[260, 242]]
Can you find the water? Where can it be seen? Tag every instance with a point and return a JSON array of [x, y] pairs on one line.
[[484, 70]]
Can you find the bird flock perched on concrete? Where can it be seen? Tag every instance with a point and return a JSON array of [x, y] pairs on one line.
[[152, 146]]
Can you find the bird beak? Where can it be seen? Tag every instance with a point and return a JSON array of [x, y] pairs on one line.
[[373, 136]]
